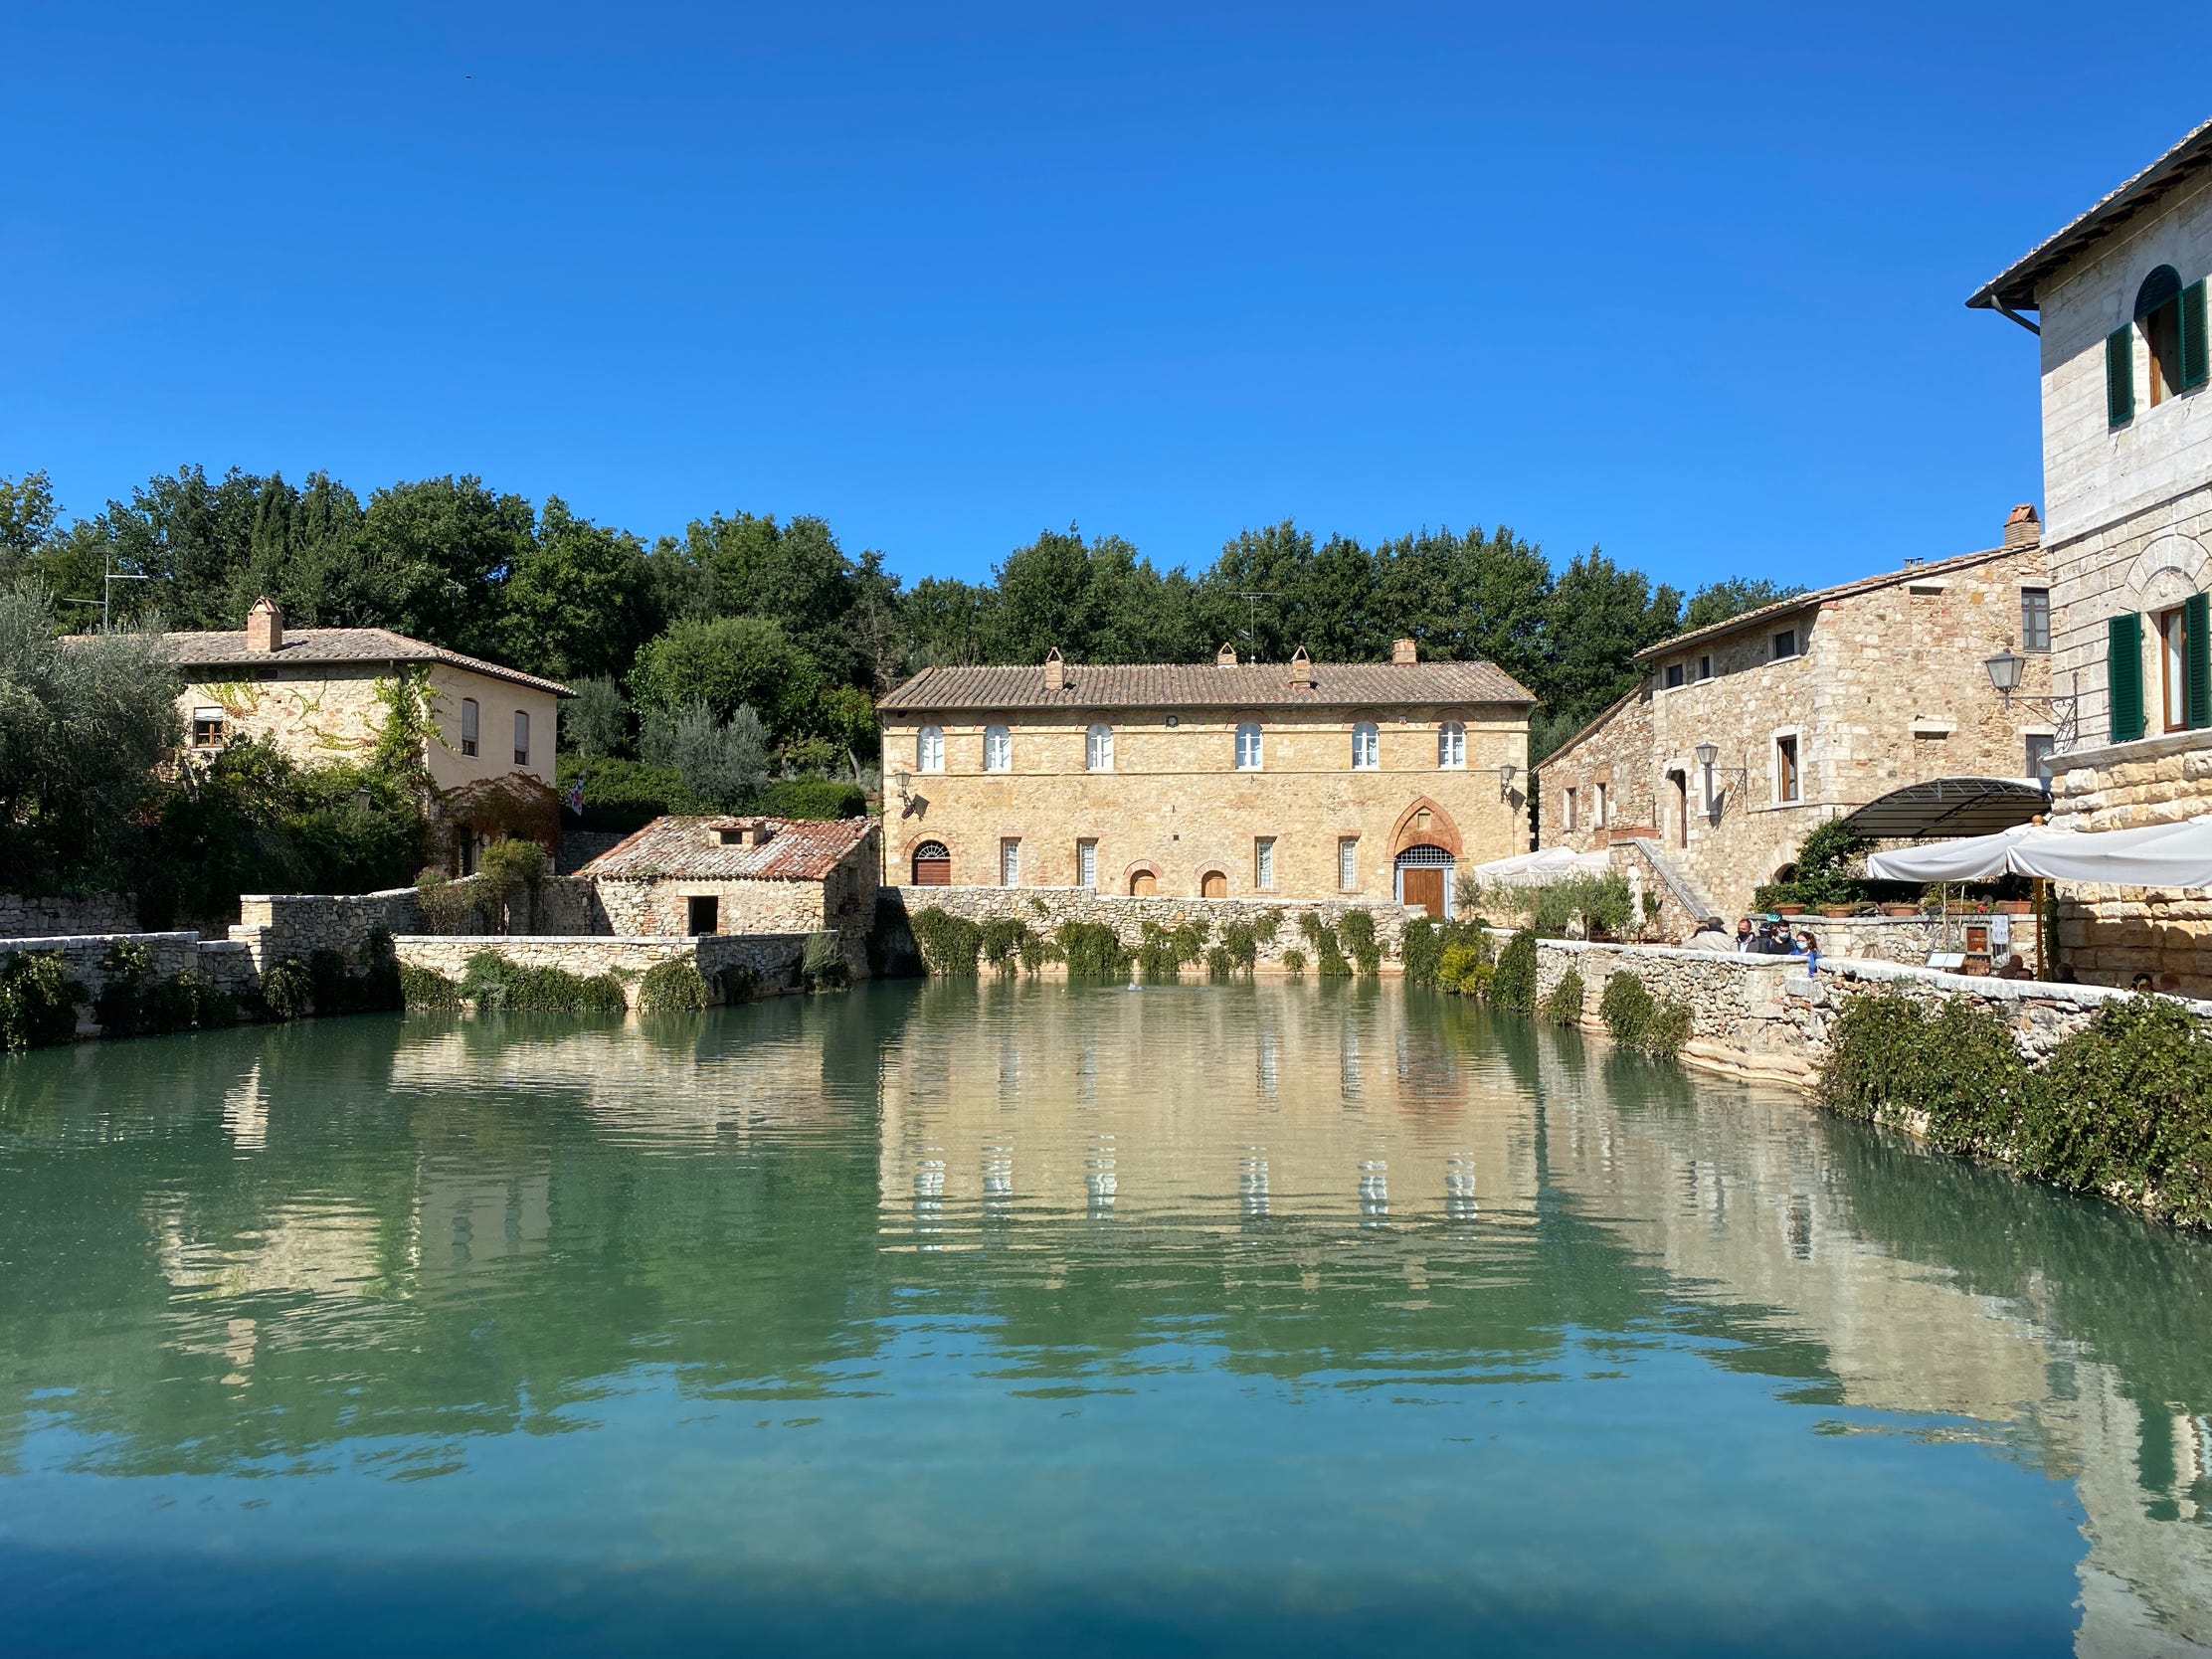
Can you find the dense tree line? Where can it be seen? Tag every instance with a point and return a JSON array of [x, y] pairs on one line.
[[746, 613]]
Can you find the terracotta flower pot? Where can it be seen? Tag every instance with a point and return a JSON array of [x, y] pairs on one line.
[[1837, 911], [1900, 910], [2015, 907]]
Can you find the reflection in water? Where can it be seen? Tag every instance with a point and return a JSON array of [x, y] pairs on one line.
[[1318, 1318]]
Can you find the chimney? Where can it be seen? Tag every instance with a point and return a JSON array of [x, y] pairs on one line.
[[744, 832], [1055, 671], [2022, 527], [265, 626], [1225, 658], [1301, 669], [1404, 650]]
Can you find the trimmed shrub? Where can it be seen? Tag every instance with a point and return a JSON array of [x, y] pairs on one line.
[[1357, 930], [37, 1000], [1219, 964], [2126, 1105], [1565, 1006], [1513, 983], [673, 987], [497, 985], [821, 966], [814, 798], [1094, 951], [422, 988], [1463, 970], [949, 944]]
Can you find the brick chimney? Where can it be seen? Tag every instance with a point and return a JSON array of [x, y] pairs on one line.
[[1301, 669], [265, 626], [1055, 670], [1225, 658], [1404, 650], [2022, 527]]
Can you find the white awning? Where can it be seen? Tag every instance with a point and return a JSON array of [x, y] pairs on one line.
[[1529, 868], [2154, 855]]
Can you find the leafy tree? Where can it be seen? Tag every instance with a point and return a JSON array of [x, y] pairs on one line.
[[27, 515], [433, 552], [595, 721], [723, 763], [1731, 597], [1601, 615], [577, 600], [725, 662]]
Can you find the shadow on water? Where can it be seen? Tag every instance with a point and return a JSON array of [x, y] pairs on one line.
[[983, 1315]]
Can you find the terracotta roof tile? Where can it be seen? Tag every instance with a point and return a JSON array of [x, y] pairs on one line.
[[219, 649], [687, 848], [1206, 685]]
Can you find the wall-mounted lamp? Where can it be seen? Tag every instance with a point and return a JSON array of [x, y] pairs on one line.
[[1706, 755], [1504, 780], [2008, 667]]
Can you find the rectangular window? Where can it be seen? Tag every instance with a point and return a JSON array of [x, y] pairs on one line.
[[468, 725], [207, 728], [1348, 863], [1705, 667], [1674, 676], [1263, 862], [1086, 863], [998, 749], [702, 913], [521, 738], [2035, 618], [1009, 863], [1566, 808], [1785, 643], [2174, 668], [1099, 749], [1598, 792], [1786, 787], [2040, 747]]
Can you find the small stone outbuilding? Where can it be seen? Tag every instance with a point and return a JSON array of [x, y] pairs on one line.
[[692, 875]]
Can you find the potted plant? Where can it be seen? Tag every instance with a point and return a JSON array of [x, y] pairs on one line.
[[1900, 910], [1837, 912]]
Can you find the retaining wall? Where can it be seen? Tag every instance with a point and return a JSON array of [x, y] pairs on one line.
[[774, 957], [63, 917], [224, 965]]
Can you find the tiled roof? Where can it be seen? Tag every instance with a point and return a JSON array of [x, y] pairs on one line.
[[1206, 685], [302, 645], [687, 848], [1823, 596]]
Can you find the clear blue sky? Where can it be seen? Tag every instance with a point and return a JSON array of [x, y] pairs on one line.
[[1685, 284]]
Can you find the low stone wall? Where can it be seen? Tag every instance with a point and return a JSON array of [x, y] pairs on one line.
[[60, 917], [774, 957], [274, 926], [1764, 1018], [1044, 910], [228, 967]]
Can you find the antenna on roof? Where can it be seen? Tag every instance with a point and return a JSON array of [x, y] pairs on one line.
[[1252, 598]]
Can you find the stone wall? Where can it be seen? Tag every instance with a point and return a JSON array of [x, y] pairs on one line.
[[2111, 934], [274, 926], [774, 957], [1044, 910], [580, 846], [33, 918], [226, 966]]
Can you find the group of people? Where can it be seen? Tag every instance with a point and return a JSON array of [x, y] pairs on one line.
[[1769, 938]]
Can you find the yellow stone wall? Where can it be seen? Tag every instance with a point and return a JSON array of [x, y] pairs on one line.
[[2112, 934], [1176, 805]]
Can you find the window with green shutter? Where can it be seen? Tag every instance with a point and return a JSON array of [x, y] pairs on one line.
[[2120, 375], [2196, 362], [2124, 674], [2196, 665]]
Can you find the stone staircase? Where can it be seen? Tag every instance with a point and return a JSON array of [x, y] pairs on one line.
[[1678, 886]]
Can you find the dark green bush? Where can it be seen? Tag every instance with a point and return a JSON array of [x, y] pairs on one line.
[[1565, 1006], [1094, 951], [422, 988], [737, 983], [1330, 961], [949, 944], [1294, 961], [822, 965], [37, 1000], [673, 987], [1162, 953], [2126, 1105], [1266, 925], [814, 798], [1357, 930], [1952, 1067], [133, 1002], [287, 989], [623, 795], [1240, 942], [1220, 964], [1513, 984], [1638, 1020], [497, 985], [1002, 939]]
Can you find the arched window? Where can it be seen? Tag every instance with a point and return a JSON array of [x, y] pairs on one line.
[[1451, 746], [1099, 749], [928, 749], [1247, 747], [1367, 747], [998, 749], [933, 865], [2173, 321], [2158, 315]]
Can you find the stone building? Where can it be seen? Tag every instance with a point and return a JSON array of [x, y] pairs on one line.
[[1814, 705], [315, 694], [2128, 483], [694, 876], [1302, 781]]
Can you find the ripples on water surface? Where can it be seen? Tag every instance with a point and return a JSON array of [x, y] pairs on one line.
[[946, 1318]]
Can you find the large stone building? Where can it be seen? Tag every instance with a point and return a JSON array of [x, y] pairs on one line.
[[316, 695], [2127, 483], [1301, 780], [1813, 706]]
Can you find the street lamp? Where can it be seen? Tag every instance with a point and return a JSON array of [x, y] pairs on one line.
[[1504, 780], [1708, 755], [2004, 672]]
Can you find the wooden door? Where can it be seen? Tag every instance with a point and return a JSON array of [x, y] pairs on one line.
[[1424, 886], [1213, 885], [1144, 885], [933, 865]]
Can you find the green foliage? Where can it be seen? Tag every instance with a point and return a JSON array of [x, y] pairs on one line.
[[594, 723], [1513, 983], [723, 763], [949, 944], [497, 985], [1161, 953], [1093, 951], [1294, 961], [1001, 940], [428, 991], [513, 863], [288, 991], [1599, 906], [673, 987], [814, 798], [450, 906], [1239, 945], [725, 664], [37, 1000], [1564, 1006], [132, 1002], [625, 794], [738, 983], [1330, 961], [1637, 1021], [1266, 925], [1731, 597], [369, 986], [409, 729], [1357, 930], [1219, 964], [1823, 872], [822, 965], [1464, 970]]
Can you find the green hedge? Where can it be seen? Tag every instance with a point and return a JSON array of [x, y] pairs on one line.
[[814, 798], [949, 944], [1513, 983], [1565, 1006], [37, 1000], [1093, 951], [497, 985], [424, 989], [673, 987]]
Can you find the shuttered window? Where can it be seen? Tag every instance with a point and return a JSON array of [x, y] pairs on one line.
[[2196, 363], [2124, 670], [2197, 661], [2119, 376]]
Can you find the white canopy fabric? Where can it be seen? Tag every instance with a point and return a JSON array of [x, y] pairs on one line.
[[2154, 855], [1529, 868]]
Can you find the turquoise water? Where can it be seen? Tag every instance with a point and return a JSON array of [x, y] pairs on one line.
[[993, 1319]]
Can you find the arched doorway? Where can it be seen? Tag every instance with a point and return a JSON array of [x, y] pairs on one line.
[[1144, 885], [1425, 878], [933, 865], [1213, 884]]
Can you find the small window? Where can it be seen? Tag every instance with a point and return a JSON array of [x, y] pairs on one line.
[[2041, 746], [1785, 643], [1086, 863], [1009, 863], [468, 725], [933, 865], [2035, 618], [1451, 746], [1786, 785], [998, 749], [1367, 747], [1264, 863], [703, 914], [1674, 676], [1567, 809], [1099, 749], [1598, 793], [1705, 667], [1348, 863], [1247, 747], [521, 737], [207, 728], [928, 749]]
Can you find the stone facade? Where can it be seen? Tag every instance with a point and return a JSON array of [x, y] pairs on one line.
[[1884, 685], [1045, 909], [31, 918], [774, 957]]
